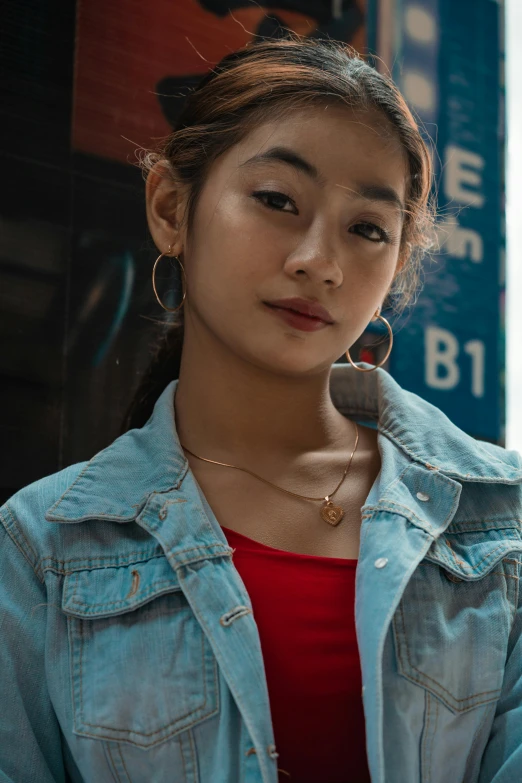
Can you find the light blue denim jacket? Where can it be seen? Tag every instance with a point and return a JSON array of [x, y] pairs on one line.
[[128, 647]]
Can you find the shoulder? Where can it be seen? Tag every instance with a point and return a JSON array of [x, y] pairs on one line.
[[23, 514], [103, 493], [419, 429], [428, 436], [490, 475]]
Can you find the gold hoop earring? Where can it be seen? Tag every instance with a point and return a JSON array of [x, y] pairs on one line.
[[168, 309], [390, 332]]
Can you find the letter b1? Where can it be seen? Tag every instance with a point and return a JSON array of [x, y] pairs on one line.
[[442, 370]]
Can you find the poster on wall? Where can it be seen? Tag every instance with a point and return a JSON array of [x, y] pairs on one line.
[[134, 65], [135, 61], [448, 59]]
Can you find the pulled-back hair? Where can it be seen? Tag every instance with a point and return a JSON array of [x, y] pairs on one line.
[[264, 81]]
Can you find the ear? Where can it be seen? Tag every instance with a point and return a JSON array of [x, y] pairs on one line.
[[165, 204]]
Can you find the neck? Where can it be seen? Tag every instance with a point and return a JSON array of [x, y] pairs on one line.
[[232, 411]]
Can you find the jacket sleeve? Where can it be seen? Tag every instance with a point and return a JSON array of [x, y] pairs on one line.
[[30, 736], [502, 758]]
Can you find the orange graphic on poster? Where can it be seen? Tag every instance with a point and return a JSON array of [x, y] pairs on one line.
[[135, 61]]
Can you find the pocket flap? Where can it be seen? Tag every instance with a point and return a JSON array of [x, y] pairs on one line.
[[473, 553], [102, 592]]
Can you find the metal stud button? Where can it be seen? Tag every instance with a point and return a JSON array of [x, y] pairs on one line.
[[423, 496], [380, 562]]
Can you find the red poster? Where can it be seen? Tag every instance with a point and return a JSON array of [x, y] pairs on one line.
[[130, 55]]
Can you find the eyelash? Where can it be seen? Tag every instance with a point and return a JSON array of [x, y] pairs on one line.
[[259, 194]]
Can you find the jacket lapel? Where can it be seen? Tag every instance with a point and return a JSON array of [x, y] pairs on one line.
[[196, 547], [397, 531]]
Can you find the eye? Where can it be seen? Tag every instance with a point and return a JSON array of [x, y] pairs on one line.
[[270, 198], [371, 231]]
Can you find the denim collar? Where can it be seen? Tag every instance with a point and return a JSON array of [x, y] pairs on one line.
[[117, 481]]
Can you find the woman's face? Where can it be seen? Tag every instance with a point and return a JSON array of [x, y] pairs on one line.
[[265, 229]]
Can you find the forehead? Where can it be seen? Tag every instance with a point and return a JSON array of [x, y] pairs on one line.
[[343, 144]]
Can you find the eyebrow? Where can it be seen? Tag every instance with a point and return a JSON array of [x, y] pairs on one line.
[[383, 193]]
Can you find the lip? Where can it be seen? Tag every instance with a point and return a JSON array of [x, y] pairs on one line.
[[304, 323], [303, 306]]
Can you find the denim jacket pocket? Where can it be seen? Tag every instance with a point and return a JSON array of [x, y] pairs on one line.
[[141, 667], [452, 625]]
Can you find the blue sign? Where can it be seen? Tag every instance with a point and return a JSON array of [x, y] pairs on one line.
[[448, 60]]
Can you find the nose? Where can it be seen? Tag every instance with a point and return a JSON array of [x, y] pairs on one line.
[[317, 257]]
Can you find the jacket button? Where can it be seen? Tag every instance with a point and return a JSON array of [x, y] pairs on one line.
[[381, 562], [423, 496], [452, 577]]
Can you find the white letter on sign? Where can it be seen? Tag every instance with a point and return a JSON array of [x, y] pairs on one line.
[[441, 350], [477, 350], [463, 176], [460, 242]]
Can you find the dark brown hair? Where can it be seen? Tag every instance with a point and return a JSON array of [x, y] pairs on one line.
[[265, 80]]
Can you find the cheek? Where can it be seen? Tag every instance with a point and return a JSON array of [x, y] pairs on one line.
[[228, 227], [229, 214], [225, 272], [372, 272], [235, 218], [241, 250]]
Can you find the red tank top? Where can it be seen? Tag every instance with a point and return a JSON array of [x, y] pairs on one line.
[[304, 609]]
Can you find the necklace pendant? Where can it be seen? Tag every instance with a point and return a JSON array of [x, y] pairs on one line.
[[331, 513]]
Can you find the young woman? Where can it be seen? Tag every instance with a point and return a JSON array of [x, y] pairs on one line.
[[284, 569]]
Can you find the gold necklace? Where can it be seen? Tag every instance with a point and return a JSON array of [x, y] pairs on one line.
[[329, 511]]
